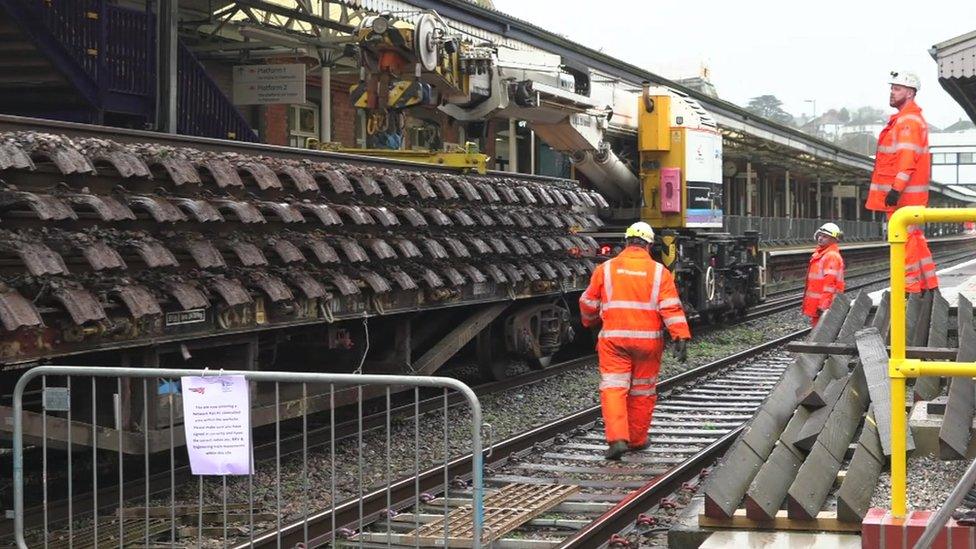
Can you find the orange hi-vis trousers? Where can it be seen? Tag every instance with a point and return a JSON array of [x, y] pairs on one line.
[[919, 265], [628, 387]]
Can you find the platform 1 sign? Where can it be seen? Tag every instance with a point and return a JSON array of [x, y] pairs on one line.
[[217, 419], [269, 84]]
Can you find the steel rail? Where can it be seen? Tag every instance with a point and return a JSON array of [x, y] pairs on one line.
[[622, 515], [403, 490], [292, 444]]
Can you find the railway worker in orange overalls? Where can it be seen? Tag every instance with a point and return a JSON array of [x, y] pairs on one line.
[[902, 168], [634, 298], [825, 276]]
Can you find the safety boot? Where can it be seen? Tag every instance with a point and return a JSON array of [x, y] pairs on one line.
[[616, 449], [639, 447]]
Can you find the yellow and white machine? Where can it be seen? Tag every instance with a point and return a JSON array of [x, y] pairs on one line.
[[654, 153]]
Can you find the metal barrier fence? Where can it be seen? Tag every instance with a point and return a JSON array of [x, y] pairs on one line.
[[772, 229], [901, 368], [150, 503], [788, 229]]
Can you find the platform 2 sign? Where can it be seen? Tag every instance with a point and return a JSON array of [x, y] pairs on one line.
[[269, 84], [217, 420]]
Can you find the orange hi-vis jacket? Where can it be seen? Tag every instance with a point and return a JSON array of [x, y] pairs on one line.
[[633, 295], [825, 279], [634, 298], [903, 162]]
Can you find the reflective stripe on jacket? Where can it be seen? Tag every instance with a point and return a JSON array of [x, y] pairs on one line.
[[903, 161], [919, 266], [635, 299], [825, 279]]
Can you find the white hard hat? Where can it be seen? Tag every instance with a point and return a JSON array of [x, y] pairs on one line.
[[907, 79], [642, 231], [829, 229]]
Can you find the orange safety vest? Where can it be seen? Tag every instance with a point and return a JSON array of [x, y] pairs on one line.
[[633, 295], [902, 162], [825, 279]]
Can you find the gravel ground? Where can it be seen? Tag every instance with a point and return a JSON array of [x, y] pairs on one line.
[[930, 481], [509, 413]]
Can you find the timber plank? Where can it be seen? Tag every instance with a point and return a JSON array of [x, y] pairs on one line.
[[768, 489], [874, 359], [924, 353], [813, 481], [831, 321], [818, 473], [957, 421], [882, 315], [834, 368], [929, 387], [818, 418], [724, 492], [841, 425], [761, 434], [856, 316], [913, 312], [729, 481], [825, 521], [939, 322], [854, 494], [793, 428]]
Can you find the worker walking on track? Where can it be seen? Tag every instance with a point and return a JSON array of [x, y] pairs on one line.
[[825, 276], [634, 297], [902, 168]]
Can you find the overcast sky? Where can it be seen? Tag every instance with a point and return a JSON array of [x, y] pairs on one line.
[[837, 52]]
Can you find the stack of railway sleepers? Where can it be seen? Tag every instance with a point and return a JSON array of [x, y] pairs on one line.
[[107, 244], [811, 458]]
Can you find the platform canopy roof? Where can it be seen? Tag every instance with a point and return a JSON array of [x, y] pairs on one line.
[[319, 29], [957, 69]]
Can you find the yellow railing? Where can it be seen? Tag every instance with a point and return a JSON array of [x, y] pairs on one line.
[[899, 367]]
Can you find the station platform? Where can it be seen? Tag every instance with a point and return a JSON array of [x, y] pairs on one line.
[[953, 281]]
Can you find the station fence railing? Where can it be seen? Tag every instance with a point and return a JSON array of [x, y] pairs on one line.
[[789, 230], [80, 483]]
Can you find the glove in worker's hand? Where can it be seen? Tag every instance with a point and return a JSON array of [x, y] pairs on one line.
[[892, 198], [681, 350]]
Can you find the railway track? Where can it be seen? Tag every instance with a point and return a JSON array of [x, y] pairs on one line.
[[319, 432], [163, 485], [785, 300], [695, 420]]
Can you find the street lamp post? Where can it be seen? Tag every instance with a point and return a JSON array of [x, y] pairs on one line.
[[816, 127]]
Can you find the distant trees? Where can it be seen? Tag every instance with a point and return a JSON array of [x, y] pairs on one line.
[[770, 108], [854, 129], [860, 142], [868, 115]]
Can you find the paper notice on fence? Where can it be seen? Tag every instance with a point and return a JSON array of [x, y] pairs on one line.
[[217, 419]]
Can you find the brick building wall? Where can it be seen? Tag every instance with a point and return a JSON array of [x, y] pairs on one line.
[[343, 115], [274, 124]]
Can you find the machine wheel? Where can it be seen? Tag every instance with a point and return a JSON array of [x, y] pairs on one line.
[[425, 47], [710, 283], [540, 363]]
